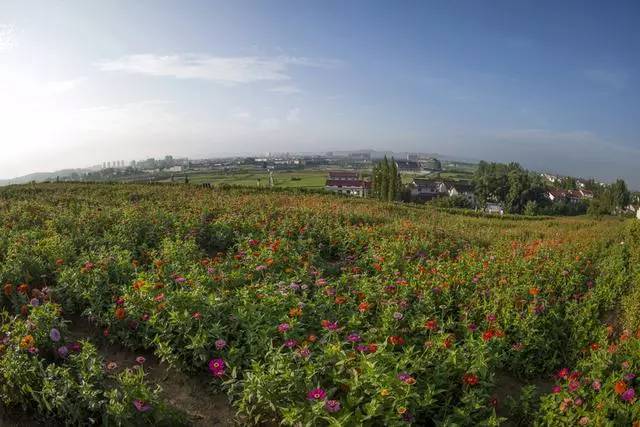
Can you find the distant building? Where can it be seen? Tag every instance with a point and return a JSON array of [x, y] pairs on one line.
[[408, 166], [343, 175], [461, 189], [494, 208], [573, 196], [348, 183], [423, 190]]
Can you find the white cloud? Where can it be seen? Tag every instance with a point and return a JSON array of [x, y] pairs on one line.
[[7, 37], [286, 90], [613, 79], [226, 70]]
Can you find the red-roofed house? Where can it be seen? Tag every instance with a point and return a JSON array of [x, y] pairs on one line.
[[347, 183]]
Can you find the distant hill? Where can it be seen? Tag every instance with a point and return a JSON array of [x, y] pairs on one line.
[[41, 176]]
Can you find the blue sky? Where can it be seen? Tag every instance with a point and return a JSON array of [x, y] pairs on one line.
[[553, 85]]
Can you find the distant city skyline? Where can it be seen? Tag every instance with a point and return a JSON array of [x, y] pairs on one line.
[[551, 85]]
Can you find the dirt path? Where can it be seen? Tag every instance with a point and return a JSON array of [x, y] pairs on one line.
[[188, 394]]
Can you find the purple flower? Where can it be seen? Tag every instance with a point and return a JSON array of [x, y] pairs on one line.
[[34, 302], [473, 327], [332, 406], [353, 338], [141, 405], [317, 394], [630, 376], [628, 395], [362, 348], [63, 351], [403, 376], [54, 334], [220, 344]]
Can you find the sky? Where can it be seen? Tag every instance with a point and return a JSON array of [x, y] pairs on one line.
[[552, 85]]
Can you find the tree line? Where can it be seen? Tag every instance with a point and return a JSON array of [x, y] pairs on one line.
[[524, 192]]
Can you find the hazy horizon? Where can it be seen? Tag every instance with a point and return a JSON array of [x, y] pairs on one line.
[[552, 86]]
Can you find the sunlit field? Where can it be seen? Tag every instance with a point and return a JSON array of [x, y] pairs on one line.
[[308, 309]]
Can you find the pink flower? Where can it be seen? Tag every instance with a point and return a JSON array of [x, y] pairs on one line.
[[556, 389], [217, 367], [220, 344], [332, 406], [283, 327], [596, 385], [141, 405], [316, 394], [140, 360]]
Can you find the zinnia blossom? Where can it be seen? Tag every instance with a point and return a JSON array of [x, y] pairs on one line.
[[316, 394], [332, 406], [628, 395], [217, 367], [470, 379], [620, 387], [141, 405], [220, 344], [54, 334]]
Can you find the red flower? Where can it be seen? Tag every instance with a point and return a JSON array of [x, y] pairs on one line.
[[431, 325], [396, 340], [470, 379]]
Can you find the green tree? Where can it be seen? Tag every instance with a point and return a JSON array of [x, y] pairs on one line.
[[384, 175]]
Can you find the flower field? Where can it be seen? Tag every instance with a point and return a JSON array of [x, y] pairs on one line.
[[310, 309]]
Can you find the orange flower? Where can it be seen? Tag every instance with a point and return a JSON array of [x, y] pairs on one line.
[[340, 299], [620, 387], [120, 313], [8, 289], [363, 306], [138, 284], [295, 312], [534, 291], [312, 338], [23, 289], [27, 342], [59, 261]]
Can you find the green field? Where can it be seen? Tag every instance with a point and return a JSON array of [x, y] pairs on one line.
[[255, 178]]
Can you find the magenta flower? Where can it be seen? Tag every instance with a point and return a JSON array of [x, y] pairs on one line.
[[574, 385], [290, 343], [332, 406], [217, 367], [220, 344], [556, 389], [317, 394], [353, 337], [283, 327], [628, 395], [141, 405]]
